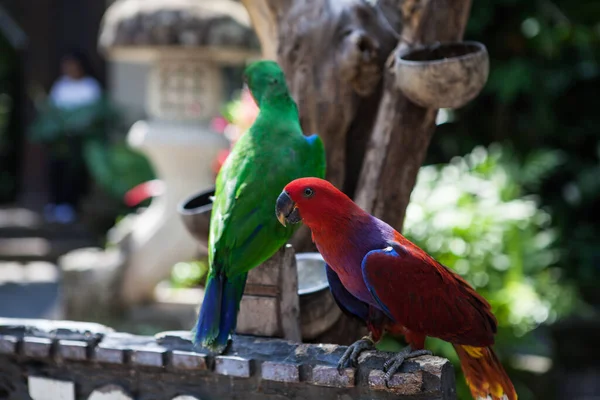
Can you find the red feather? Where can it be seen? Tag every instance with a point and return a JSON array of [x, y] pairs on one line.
[[428, 298], [420, 296]]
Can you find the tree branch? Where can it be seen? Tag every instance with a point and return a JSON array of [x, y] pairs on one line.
[[403, 130], [263, 16]]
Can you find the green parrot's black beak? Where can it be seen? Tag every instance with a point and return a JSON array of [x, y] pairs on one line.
[[286, 210]]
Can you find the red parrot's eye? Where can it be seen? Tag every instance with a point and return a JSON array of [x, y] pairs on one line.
[[308, 192]]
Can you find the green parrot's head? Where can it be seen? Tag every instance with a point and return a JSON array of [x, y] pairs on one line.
[[264, 77]]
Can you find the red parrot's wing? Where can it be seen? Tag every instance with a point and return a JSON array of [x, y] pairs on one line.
[[427, 298]]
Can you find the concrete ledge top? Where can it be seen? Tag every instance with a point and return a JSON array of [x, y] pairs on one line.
[[253, 358], [202, 23]]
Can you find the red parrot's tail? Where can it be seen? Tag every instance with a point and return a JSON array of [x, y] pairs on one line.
[[484, 373]]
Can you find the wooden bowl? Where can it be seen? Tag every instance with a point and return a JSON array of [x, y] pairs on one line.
[[444, 75]]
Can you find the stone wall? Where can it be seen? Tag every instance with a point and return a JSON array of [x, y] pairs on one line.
[[52, 360]]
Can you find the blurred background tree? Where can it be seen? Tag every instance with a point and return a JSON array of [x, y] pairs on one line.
[[541, 95]]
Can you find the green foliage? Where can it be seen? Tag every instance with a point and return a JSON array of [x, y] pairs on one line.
[[473, 217], [542, 94], [113, 164], [189, 274], [53, 123], [116, 167]]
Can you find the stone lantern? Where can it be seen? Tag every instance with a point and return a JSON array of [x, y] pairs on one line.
[[189, 46]]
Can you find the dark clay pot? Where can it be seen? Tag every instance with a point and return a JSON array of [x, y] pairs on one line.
[[195, 213]]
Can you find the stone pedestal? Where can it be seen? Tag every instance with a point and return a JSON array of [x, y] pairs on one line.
[[182, 155], [187, 45]]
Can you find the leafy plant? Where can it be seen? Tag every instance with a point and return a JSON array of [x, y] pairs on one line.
[[117, 167], [53, 124], [113, 164], [541, 94], [189, 274]]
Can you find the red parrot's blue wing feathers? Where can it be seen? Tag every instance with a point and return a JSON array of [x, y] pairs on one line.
[[427, 298], [349, 304]]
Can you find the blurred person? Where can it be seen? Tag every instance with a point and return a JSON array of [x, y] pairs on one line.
[[72, 93]]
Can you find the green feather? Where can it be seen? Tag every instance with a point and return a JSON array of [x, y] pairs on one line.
[[244, 231]]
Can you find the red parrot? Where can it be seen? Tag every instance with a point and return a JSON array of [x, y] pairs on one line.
[[379, 276]]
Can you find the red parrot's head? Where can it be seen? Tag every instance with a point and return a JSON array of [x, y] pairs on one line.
[[311, 200]]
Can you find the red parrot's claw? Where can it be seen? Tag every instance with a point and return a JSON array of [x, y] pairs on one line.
[[344, 360], [352, 353], [386, 382], [392, 365]]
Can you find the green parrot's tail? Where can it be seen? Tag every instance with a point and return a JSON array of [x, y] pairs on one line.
[[218, 314]]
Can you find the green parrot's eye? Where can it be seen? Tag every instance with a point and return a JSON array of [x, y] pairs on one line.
[[308, 192]]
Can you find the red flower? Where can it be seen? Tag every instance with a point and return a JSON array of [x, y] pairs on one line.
[[218, 124], [221, 157], [244, 112], [143, 191]]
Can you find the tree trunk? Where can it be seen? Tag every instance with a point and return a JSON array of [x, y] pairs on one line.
[[402, 129], [337, 56]]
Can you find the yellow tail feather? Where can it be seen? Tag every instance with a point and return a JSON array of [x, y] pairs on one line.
[[484, 374]]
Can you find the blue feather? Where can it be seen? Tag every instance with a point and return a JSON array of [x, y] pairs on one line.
[[344, 299], [252, 236], [207, 326], [218, 315], [310, 139], [389, 251], [232, 296]]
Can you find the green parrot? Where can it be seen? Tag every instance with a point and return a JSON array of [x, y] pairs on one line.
[[244, 231]]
